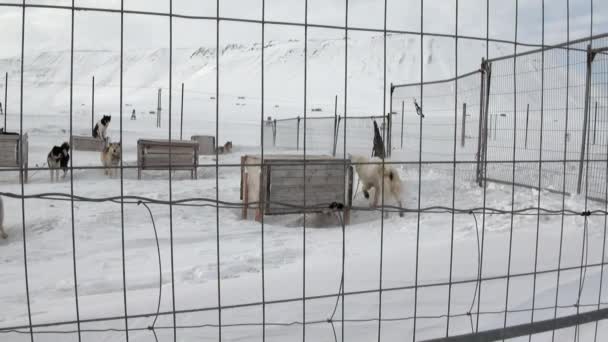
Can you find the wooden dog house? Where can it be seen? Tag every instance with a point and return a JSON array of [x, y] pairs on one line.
[[277, 184]]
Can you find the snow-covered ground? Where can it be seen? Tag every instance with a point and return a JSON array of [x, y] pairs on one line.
[[97, 227]]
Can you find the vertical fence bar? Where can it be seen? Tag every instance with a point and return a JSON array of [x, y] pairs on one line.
[[384, 136], [594, 122], [540, 167], [480, 131], [297, 134], [170, 128], [452, 218], [402, 121], [158, 107], [564, 167], [5, 99], [274, 132], [93, 103], [122, 187], [513, 156], [263, 271], [73, 224], [464, 122], [25, 268], [181, 119], [527, 117], [351, 169], [304, 171], [335, 126], [217, 166], [419, 169], [585, 118]]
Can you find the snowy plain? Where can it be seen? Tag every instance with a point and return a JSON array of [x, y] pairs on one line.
[[288, 275]]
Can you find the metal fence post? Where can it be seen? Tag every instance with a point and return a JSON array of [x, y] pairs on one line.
[[298, 134], [464, 121], [158, 107], [590, 56], [527, 117], [402, 119], [181, 120], [335, 126], [93, 104], [5, 98], [594, 122], [480, 131], [274, 133]]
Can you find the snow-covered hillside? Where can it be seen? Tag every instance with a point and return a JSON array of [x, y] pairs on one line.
[[47, 75]]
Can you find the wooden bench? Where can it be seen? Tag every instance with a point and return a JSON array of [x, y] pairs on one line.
[[84, 143], [206, 144], [277, 184], [162, 155], [11, 147]]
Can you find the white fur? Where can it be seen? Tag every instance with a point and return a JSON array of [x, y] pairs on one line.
[[2, 232], [110, 158], [371, 176]]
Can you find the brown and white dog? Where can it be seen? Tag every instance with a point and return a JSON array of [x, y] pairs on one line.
[[371, 176], [110, 158], [227, 148], [2, 232]]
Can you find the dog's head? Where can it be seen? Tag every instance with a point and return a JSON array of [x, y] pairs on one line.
[[65, 147], [228, 146], [105, 120], [114, 150]]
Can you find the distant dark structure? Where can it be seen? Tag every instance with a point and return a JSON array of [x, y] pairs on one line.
[[378, 150]]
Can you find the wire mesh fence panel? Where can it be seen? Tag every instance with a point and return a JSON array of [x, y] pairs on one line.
[[547, 124], [593, 181], [441, 133], [438, 253], [360, 134]]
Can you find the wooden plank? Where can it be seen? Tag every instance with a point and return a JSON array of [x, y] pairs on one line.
[[206, 144], [84, 143], [284, 173], [309, 180]]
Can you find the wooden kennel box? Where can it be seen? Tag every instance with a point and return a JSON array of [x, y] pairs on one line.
[[206, 144], [160, 154], [277, 185], [84, 143], [11, 156]]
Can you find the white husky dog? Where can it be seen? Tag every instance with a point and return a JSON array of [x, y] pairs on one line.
[[2, 232], [370, 175]]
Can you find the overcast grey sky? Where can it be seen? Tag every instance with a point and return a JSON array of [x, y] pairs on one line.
[[49, 29]]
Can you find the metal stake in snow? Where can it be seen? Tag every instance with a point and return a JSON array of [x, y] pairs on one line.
[[158, 108], [93, 103]]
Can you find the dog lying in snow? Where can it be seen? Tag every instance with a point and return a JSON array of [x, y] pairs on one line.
[[370, 175], [2, 232]]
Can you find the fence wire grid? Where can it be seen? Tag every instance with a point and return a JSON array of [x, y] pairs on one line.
[[529, 127]]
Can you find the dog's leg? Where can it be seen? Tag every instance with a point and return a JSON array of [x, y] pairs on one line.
[[377, 191], [398, 199], [366, 187], [3, 233]]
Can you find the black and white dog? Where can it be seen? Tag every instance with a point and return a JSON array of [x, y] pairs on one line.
[[99, 131], [58, 158]]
